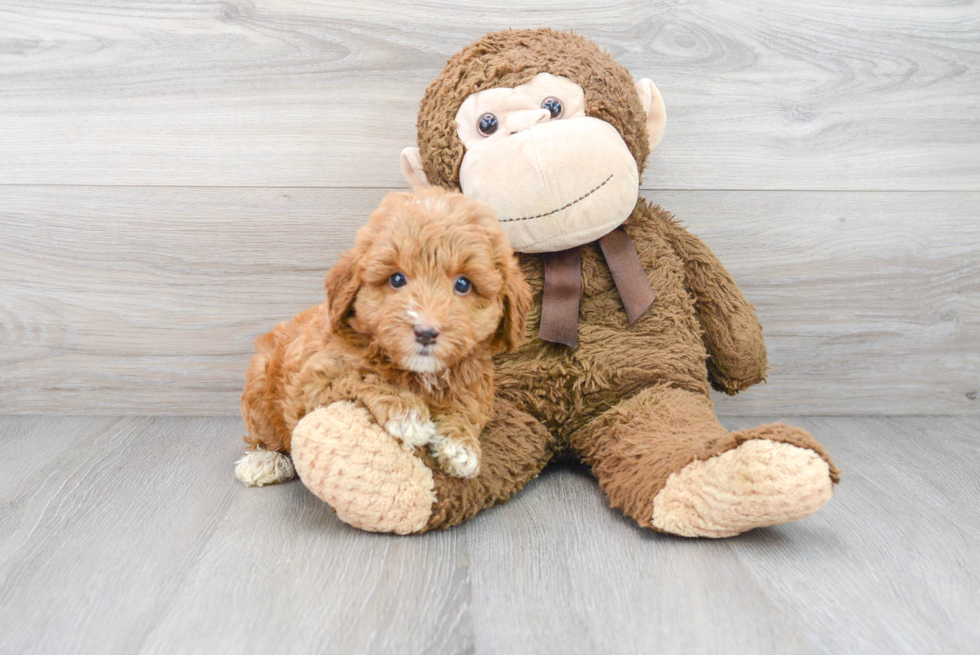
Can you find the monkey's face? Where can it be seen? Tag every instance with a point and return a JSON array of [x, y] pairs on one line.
[[555, 177]]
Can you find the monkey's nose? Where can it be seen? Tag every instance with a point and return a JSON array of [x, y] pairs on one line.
[[425, 335]]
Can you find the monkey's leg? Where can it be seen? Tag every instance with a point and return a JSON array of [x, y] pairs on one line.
[[515, 447], [663, 458], [376, 484]]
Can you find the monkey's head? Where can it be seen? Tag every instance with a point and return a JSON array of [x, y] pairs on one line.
[[544, 127]]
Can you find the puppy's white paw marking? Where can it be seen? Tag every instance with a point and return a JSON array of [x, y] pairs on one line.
[[411, 430], [455, 458], [261, 467]]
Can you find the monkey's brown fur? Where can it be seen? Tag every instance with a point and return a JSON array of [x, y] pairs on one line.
[[631, 401]]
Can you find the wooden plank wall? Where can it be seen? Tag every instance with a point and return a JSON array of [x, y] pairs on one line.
[[176, 177]]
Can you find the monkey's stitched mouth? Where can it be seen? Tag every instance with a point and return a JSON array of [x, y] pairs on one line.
[[555, 211]]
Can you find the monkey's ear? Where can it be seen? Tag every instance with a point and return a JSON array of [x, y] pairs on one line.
[[653, 105], [412, 169]]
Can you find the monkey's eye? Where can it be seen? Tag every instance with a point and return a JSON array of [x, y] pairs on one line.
[[462, 286], [397, 280], [553, 105], [488, 124]]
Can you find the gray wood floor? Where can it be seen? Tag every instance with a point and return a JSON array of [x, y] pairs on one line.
[[131, 535]]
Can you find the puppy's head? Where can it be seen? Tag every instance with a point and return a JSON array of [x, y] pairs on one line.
[[431, 279]]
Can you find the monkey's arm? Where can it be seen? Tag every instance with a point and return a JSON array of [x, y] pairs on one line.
[[732, 333]]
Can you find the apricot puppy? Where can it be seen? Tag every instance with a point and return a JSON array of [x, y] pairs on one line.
[[415, 312]]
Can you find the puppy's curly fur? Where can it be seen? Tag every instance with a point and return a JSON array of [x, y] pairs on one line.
[[415, 350]]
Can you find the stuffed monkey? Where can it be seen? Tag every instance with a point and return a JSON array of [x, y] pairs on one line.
[[634, 319]]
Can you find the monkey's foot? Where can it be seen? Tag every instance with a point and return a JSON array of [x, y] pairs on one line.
[[759, 483], [347, 460]]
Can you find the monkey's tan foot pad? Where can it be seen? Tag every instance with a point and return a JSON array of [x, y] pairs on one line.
[[347, 460], [759, 483]]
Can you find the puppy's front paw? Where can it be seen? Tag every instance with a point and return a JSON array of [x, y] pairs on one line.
[[456, 459], [411, 429]]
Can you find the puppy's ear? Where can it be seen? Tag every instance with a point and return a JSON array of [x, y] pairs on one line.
[[342, 283], [517, 302]]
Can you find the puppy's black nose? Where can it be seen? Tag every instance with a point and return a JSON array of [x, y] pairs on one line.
[[425, 335]]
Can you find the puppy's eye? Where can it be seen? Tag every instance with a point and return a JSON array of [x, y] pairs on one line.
[[553, 105], [462, 286], [397, 280], [487, 124]]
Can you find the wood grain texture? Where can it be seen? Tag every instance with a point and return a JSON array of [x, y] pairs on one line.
[[145, 300], [131, 535], [775, 94]]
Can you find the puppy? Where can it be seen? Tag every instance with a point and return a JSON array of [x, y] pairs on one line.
[[415, 312]]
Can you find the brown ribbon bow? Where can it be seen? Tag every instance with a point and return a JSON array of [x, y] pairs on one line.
[[563, 286]]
